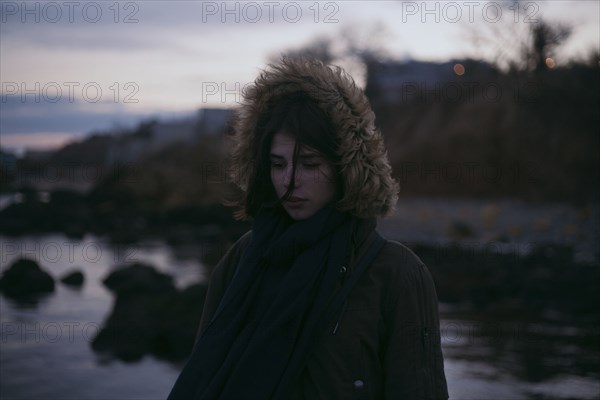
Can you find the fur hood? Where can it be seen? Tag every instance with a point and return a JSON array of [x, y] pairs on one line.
[[369, 189]]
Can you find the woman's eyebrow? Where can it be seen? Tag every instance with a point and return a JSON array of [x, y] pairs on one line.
[[309, 155], [305, 151]]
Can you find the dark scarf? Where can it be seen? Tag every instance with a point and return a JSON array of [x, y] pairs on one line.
[[276, 303]]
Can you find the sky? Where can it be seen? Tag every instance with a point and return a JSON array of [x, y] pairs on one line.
[[70, 68]]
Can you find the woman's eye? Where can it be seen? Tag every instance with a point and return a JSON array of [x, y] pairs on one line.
[[276, 165]]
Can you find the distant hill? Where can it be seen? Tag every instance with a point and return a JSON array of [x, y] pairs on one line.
[[82, 164]]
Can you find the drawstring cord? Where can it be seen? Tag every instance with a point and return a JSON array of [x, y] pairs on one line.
[[337, 323]]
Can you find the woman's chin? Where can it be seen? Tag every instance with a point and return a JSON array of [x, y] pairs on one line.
[[299, 213]]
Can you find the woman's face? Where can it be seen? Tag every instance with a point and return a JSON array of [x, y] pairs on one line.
[[314, 186]]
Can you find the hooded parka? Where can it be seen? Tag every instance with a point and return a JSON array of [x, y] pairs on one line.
[[385, 341]]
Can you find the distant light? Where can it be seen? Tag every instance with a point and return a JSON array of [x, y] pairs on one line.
[[550, 63], [459, 69]]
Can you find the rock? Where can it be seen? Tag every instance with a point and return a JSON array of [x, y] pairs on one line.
[[129, 331], [150, 316], [138, 279], [179, 328], [25, 280], [74, 278]]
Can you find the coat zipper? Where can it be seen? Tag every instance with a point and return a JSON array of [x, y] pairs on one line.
[[337, 323]]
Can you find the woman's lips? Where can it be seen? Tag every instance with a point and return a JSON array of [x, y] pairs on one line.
[[295, 201]]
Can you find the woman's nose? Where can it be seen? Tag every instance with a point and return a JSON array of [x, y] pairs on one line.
[[288, 176]]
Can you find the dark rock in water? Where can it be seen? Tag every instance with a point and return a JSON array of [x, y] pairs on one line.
[[74, 278], [177, 333], [150, 316], [138, 279], [129, 330], [548, 278], [25, 280], [65, 211]]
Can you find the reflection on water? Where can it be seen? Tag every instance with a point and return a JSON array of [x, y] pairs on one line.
[[512, 358], [507, 357], [52, 341]]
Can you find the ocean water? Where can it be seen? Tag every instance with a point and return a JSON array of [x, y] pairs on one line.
[[46, 349]]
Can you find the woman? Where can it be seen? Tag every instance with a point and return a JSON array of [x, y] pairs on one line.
[[312, 303]]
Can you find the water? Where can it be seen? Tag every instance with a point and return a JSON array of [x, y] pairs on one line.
[[499, 225], [49, 343], [518, 358], [46, 353]]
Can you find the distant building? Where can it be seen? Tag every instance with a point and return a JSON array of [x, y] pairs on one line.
[[126, 149], [8, 162], [213, 121], [152, 136], [163, 133], [392, 82], [37, 155]]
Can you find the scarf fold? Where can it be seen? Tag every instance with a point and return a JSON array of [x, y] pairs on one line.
[[272, 308]]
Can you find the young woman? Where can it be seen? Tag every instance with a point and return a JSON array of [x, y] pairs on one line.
[[312, 303]]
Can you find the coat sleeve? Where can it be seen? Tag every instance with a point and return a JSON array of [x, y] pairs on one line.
[[413, 362], [219, 280]]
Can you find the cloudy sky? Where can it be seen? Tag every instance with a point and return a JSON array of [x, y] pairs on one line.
[[71, 68]]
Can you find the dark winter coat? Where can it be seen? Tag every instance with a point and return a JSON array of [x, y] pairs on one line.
[[385, 344]]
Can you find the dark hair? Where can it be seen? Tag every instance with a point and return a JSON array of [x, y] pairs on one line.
[[299, 116], [290, 94]]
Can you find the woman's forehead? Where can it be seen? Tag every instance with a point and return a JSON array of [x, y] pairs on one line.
[[285, 142]]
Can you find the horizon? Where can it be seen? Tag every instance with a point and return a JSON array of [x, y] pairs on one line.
[[68, 72], [50, 142]]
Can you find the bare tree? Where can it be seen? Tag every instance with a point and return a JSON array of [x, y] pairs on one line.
[[543, 41], [351, 47], [520, 43], [319, 48]]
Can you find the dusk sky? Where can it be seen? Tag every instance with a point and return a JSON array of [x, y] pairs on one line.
[[70, 68]]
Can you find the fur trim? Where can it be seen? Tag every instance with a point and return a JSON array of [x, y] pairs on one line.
[[370, 190]]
